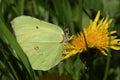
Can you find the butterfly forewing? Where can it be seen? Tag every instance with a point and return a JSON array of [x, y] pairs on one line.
[[41, 41]]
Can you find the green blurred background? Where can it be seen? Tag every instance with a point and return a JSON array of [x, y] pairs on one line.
[[72, 14]]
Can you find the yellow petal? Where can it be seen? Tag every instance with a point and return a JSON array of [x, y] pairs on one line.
[[113, 37], [71, 54], [100, 23], [113, 32], [103, 52], [115, 47], [115, 41], [106, 26], [110, 21], [97, 17], [105, 21]]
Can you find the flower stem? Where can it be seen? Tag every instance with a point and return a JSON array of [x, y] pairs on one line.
[[107, 68]]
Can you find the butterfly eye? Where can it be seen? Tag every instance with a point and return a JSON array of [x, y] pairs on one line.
[[37, 27]]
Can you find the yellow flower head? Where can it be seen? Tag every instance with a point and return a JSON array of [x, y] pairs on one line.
[[96, 36]]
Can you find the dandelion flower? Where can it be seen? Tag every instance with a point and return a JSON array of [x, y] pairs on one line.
[[96, 35]]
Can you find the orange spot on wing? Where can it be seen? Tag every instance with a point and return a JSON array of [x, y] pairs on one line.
[[36, 48]]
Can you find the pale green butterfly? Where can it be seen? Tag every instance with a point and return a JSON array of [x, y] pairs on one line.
[[41, 41]]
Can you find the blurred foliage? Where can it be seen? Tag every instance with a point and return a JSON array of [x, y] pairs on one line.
[[72, 14]]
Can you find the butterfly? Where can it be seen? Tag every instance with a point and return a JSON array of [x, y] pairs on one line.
[[41, 41]]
